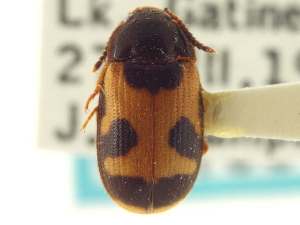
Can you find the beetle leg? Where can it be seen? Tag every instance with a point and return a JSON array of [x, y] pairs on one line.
[[205, 147], [89, 118], [100, 78], [92, 96], [96, 90]]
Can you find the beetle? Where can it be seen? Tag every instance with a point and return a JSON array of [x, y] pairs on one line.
[[150, 137]]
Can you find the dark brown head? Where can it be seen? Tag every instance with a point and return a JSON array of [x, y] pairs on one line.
[[149, 36]]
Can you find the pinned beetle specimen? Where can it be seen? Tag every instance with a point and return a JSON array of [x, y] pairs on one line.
[[150, 137]]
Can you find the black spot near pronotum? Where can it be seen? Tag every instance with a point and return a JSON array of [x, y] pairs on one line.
[[153, 77]]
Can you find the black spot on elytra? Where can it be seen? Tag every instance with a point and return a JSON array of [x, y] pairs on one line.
[[119, 140], [185, 140], [153, 77], [137, 192], [170, 190], [129, 190]]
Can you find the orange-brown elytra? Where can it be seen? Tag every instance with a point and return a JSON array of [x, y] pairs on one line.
[[150, 114]]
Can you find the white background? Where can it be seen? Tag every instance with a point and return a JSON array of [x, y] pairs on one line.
[[36, 185]]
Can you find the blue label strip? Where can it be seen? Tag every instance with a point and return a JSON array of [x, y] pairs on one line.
[[89, 189]]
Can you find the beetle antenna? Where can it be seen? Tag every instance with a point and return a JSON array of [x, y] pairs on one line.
[[189, 35], [101, 60]]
